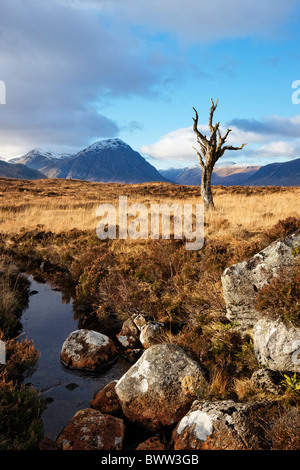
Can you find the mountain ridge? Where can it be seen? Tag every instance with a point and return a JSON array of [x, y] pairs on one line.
[[109, 160], [113, 160], [272, 174], [19, 171]]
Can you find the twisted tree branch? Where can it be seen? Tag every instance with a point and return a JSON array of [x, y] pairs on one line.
[[211, 150]]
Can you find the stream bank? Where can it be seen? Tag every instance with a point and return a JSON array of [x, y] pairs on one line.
[[47, 321]]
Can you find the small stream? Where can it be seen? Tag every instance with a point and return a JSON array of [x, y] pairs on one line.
[[47, 322]]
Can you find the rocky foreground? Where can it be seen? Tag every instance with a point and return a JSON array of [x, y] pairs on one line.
[[160, 399]]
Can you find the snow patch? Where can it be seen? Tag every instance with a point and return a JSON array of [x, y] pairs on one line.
[[108, 143]]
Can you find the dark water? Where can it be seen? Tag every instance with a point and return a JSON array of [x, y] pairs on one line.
[[47, 322]]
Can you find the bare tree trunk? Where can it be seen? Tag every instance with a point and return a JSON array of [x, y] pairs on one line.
[[211, 149], [206, 193]]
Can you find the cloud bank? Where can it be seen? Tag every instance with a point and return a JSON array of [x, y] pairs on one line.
[[65, 61], [200, 20], [270, 137], [61, 65]]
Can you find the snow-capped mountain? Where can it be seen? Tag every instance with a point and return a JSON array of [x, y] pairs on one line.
[[109, 160], [40, 159]]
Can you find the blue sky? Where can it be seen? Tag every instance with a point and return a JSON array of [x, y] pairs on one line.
[[77, 71]]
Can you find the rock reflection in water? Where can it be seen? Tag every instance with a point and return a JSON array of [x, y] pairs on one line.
[[47, 322]]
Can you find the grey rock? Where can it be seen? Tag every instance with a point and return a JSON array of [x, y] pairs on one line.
[[221, 425], [242, 281], [88, 350], [267, 380], [129, 335], [139, 331], [150, 333], [276, 345], [159, 388]]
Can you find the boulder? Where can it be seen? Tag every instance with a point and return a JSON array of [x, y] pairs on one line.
[[242, 281], [276, 345], [139, 331], [150, 333], [222, 425], [91, 430], [141, 319], [129, 335], [267, 380], [106, 400], [159, 388], [89, 350]]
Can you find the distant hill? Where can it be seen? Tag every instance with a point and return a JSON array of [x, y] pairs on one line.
[[274, 174], [46, 162], [114, 161], [277, 174], [110, 160], [19, 171], [224, 175]]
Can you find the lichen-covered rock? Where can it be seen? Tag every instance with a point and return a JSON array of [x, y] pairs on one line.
[[141, 319], [129, 335], [150, 333], [106, 400], [91, 430], [139, 331], [267, 380], [242, 281], [87, 349], [222, 425], [276, 345], [160, 387]]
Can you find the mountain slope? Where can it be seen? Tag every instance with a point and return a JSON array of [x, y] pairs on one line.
[[110, 160], [47, 162], [19, 171], [277, 174], [273, 174], [225, 175]]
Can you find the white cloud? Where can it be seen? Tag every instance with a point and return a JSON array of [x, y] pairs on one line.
[[60, 57], [288, 149], [59, 64], [177, 146]]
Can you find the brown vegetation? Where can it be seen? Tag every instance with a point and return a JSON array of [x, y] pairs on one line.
[[20, 408], [51, 224]]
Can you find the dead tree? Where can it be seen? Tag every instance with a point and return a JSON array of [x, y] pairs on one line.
[[211, 149]]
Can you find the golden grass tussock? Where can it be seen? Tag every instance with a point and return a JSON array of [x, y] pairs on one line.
[[62, 205]]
